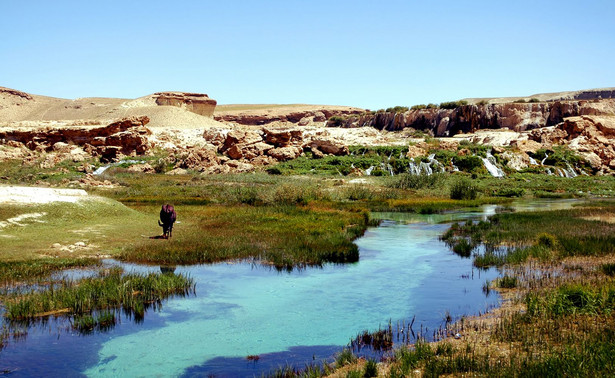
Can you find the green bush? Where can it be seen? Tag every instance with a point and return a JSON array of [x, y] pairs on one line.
[[410, 181], [546, 240], [468, 163], [397, 109], [462, 247], [463, 189], [453, 104], [507, 282], [335, 121], [371, 369], [534, 100]]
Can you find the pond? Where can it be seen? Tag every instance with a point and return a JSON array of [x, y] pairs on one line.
[[296, 318]]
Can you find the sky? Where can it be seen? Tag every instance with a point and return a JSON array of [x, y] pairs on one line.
[[370, 54]]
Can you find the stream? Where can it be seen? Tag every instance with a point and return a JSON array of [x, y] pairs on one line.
[[297, 318]]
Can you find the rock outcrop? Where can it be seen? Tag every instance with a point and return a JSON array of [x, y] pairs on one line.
[[198, 103], [128, 136], [592, 137], [470, 118], [290, 118]]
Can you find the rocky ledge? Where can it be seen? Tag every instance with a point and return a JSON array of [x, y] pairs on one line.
[[128, 136], [198, 103]]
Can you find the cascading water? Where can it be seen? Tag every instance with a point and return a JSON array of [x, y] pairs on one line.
[[491, 166], [425, 168], [542, 162]]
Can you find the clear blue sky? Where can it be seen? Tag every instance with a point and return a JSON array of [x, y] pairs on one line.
[[370, 54]]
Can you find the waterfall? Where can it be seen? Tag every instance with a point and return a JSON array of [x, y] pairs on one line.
[[533, 161], [491, 165], [369, 170], [101, 170], [425, 168], [542, 162]]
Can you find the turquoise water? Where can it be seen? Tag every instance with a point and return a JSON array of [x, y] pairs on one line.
[[243, 309]]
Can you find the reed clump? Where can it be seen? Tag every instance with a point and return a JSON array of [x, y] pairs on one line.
[[110, 289]]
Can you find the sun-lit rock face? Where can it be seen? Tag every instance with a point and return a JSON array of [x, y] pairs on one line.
[[127, 136], [198, 103], [470, 118]]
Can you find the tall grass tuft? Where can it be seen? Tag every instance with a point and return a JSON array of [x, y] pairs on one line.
[[133, 292]]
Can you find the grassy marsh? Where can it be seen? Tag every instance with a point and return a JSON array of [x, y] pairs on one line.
[[111, 288]]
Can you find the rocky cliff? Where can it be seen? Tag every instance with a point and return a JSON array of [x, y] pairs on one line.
[[470, 118], [282, 115]]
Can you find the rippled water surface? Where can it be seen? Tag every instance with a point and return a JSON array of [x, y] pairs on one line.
[[285, 318]]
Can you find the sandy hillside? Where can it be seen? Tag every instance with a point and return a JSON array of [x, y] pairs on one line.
[[23, 109]]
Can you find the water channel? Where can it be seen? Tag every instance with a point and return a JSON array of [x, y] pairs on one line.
[[296, 318]]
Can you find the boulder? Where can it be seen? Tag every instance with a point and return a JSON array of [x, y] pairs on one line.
[[526, 145], [199, 159], [240, 167], [284, 137], [244, 137], [516, 161], [328, 146], [416, 151], [285, 153], [142, 168], [61, 147], [177, 171], [215, 136]]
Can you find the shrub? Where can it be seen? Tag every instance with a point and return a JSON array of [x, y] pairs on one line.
[[336, 121], [371, 369], [482, 102], [345, 357], [463, 189], [546, 240], [509, 192], [409, 181], [418, 107], [520, 101], [397, 109], [453, 104], [608, 269], [507, 282], [462, 247], [468, 163], [534, 100]]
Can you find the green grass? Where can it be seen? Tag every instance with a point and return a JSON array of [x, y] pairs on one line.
[[133, 292], [95, 222], [546, 235], [283, 236], [20, 271]]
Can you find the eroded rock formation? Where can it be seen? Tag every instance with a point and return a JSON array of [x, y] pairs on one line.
[[300, 118], [128, 136], [470, 118], [198, 103]]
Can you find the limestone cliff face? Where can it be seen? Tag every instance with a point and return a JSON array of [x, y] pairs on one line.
[[198, 103], [469, 118], [301, 117]]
